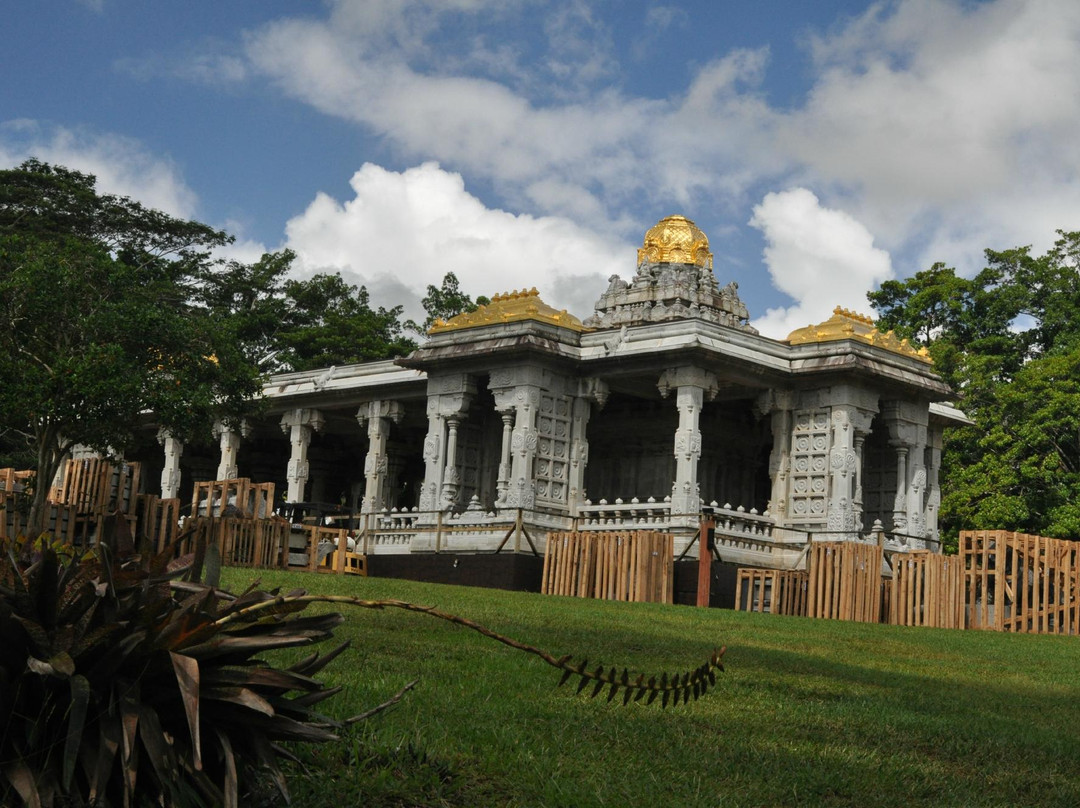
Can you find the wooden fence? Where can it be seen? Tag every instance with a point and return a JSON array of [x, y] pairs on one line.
[[96, 485], [630, 566], [927, 589], [772, 591], [237, 497], [845, 581], [1018, 582], [241, 541]]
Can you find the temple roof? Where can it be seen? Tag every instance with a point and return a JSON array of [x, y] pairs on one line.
[[845, 324], [509, 307]]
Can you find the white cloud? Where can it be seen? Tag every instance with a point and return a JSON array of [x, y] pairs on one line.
[[122, 165], [821, 257], [403, 231], [944, 126]]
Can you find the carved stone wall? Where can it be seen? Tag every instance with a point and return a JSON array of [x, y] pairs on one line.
[[553, 449], [809, 475]]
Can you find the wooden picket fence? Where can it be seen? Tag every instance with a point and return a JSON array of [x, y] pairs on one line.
[[772, 591], [62, 521], [12, 480], [927, 589], [238, 497], [1019, 582], [845, 581], [96, 486], [618, 565], [241, 541], [158, 521]]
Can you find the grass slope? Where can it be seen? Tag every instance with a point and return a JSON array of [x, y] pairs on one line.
[[809, 712]]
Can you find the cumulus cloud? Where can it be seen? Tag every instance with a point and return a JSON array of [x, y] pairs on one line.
[[944, 126], [122, 165], [404, 231], [820, 257]]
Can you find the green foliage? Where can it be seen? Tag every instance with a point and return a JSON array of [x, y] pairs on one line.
[[119, 687], [98, 320], [332, 323], [446, 301], [285, 324], [1008, 340]]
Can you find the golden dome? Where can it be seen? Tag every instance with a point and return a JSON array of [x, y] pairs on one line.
[[675, 240]]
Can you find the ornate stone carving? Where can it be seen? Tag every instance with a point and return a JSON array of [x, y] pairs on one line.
[[674, 281]]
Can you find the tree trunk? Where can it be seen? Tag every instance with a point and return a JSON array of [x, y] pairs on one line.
[[49, 456]]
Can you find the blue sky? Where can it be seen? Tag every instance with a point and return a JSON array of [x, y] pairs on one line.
[[822, 146]]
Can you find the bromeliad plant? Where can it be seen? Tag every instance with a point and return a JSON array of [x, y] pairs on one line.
[[126, 681]]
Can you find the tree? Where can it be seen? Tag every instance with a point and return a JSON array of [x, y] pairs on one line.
[[284, 324], [99, 322], [447, 300], [331, 322], [1008, 341]]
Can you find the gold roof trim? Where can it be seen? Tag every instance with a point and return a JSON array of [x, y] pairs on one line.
[[845, 324], [509, 307], [675, 240]]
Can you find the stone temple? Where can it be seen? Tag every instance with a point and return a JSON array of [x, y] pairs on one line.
[[662, 405]]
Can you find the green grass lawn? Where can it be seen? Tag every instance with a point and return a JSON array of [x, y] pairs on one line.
[[809, 712]]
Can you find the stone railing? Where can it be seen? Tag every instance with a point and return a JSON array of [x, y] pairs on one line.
[[633, 514]]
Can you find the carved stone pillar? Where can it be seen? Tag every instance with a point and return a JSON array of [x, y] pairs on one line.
[[843, 467], [170, 475], [778, 405], [503, 483], [451, 474], [933, 486], [229, 440], [377, 415], [900, 501], [692, 387], [299, 425], [591, 391], [522, 492], [448, 396], [860, 440]]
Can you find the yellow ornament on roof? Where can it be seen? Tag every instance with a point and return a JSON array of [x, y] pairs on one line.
[[675, 240], [845, 324], [509, 307]]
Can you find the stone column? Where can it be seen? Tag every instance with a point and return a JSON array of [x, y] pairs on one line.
[[170, 475], [377, 415], [522, 492], [451, 474], [502, 485], [299, 425], [778, 405], [860, 440], [448, 396], [907, 422], [229, 440], [900, 501], [933, 486], [692, 387], [590, 392], [843, 467]]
